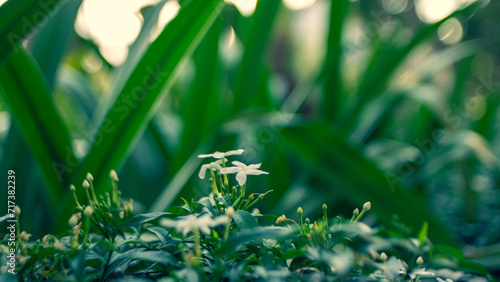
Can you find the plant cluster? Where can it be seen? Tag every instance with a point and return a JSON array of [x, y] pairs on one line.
[[218, 238]]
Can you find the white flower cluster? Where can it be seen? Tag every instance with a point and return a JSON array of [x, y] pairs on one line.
[[241, 169], [192, 222]]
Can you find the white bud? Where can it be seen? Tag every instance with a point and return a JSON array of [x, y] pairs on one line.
[[367, 206], [113, 175], [72, 187], [89, 177], [85, 184], [88, 211], [383, 257], [17, 210], [73, 220], [420, 260], [230, 211]]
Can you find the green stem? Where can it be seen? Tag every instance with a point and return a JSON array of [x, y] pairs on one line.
[[197, 246]]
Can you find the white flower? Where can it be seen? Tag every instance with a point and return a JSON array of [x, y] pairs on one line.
[[242, 171], [191, 222], [421, 272], [213, 165], [220, 155]]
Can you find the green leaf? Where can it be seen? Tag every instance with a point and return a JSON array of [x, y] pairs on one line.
[[144, 90], [255, 46], [422, 234], [141, 95], [27, 96], [332, 92], [386, 61], [325, 153], [141, 219], [19, 18], [245, 220]]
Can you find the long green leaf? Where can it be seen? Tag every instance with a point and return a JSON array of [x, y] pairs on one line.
[[19, 18], [141, 95], [326, 153], [332, 92], [147, 85], [26, 94], [248, 79], [385, 62]]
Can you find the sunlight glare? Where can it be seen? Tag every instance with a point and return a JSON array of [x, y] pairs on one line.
[[246, 7], [168, 13], [431, 11], [450, 32], [2, 1], [298, 4]]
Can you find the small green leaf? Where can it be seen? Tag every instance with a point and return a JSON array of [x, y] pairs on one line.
[[245, 220], [422, 234]]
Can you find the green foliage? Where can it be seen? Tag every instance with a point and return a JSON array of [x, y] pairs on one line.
[[213, 240], [388, 113]]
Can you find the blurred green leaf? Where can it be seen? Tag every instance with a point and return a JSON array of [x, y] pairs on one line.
[[255, 46], [245, 220], [27, 95], [325, 153], [19, 18]]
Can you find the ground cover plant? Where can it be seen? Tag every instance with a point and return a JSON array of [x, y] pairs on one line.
[[392, 102], [220, 238]]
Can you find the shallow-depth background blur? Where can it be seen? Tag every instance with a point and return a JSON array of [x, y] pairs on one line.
[[390, 101]]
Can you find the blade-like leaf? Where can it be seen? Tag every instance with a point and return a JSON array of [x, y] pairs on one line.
[[325, 153], [386, 61], [26, 94], [248, 79], [141, 95], [144, 90], [332, 91], [19, 18]]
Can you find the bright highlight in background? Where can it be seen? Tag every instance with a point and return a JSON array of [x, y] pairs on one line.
[[2, 1], [112, 24], [431, 11], [246, 7], [298, 4]]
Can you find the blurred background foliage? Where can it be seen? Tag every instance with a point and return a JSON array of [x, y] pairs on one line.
[[390, 101]]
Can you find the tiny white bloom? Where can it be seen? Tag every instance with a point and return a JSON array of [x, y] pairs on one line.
[[191, 222], [213, 165], [242, 170], [421, 272], [220, 155]]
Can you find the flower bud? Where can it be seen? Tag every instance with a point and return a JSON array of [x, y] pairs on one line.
[[85, 184], [420, 260], [113, 175], [230, 211], [383, 256], [88, 211], [255, 211], [89, 177], [73, 220], [355, 212], [324, 208], [17, 210], [72, 187], [300, 211], [250, 198], [367, 206]]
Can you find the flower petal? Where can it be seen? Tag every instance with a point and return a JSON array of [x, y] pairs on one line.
[[234, 152], [203, 171], [202, 156], [254, 166], [255, 172], [228, 170], [241, 177], [240, 164]]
